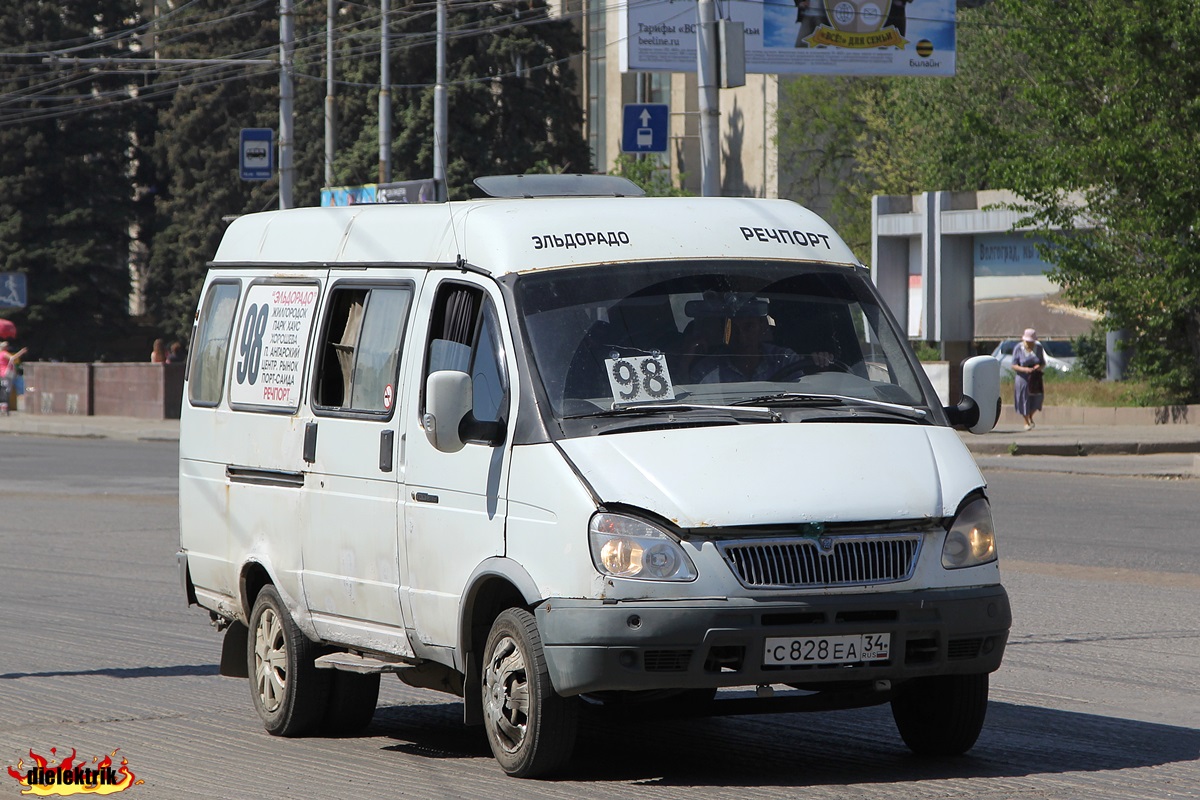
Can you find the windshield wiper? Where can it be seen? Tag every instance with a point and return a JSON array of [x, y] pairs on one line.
[[801, 398], [640, 409]]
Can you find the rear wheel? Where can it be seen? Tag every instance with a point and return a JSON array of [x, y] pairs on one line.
[[941, 716], [288, 691], [352, 701], [530, 728]]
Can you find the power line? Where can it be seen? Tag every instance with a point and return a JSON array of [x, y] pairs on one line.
[[191, 71]]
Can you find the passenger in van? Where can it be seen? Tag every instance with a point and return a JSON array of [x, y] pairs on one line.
[[729, 341]]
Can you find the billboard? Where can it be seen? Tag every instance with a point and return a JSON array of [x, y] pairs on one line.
[[824, 37], [419, 191]]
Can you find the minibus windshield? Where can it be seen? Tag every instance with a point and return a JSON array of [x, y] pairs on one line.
[[711, 333]]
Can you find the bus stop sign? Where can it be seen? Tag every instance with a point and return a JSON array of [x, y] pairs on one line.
[[256, 154]]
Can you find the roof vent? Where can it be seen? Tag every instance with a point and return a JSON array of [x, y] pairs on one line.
[[558, 186]]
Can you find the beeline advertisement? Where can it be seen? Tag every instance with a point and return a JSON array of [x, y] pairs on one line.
[[825, 37]]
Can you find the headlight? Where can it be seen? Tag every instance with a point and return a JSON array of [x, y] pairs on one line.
[[627, 547], [971, 540]]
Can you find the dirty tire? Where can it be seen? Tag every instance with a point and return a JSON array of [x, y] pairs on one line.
[[288, 691], [530, 728], [941, 716], [352, 701]]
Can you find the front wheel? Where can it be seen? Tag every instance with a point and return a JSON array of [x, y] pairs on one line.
[[289, 692], [943, 715], [530, 728]]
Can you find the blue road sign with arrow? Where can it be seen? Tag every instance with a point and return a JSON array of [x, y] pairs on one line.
[[644, 128]]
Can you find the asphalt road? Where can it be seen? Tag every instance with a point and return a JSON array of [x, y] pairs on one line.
[[1099, 696]]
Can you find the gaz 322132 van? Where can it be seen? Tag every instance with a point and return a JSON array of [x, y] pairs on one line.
[[553, 448]]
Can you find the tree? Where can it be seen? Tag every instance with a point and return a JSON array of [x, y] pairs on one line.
[[511, 100], [195, 146], [66, 197], [1113, 173], [844, 139], [647, 173], [1087, 109]]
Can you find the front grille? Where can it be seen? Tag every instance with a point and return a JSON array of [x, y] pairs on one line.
[[828, 561], [667, 660], [963, 649]]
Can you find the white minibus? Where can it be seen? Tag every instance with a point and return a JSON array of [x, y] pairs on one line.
[[568, 447]]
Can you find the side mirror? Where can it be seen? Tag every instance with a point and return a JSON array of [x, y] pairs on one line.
[[449, 420], [979, 409], [448, 398]]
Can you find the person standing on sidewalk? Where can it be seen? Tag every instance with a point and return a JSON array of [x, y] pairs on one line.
[[8, 373], [1029, 365]]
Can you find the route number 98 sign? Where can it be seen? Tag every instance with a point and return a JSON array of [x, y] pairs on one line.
[[270, 344], [639, 379]]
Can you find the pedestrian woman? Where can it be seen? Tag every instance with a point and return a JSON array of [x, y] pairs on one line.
[[1029, 365], [8, 374], [158, 353]]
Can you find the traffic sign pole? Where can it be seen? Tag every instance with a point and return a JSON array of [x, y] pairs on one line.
[[710, 110]]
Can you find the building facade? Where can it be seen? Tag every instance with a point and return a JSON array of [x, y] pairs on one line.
[[749, 157]]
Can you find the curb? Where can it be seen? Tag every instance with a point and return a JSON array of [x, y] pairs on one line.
[[1081, 448]]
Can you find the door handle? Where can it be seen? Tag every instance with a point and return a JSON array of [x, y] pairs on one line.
[[387, 440], [310, 442]]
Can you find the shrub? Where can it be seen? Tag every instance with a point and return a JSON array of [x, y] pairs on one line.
[[926, 352], [1092, 352]]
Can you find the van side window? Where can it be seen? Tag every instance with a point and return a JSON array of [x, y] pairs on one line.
[[465, 337], [210, 348], [360, 350]]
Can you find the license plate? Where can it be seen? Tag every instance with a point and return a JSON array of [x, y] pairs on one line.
[[852, 649]]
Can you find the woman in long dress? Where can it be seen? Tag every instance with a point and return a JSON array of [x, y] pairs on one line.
[[1029, 364]]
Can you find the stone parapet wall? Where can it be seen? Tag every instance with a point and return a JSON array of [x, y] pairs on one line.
[[1102, 415], [57, 388], [149, 391], [145, 390]]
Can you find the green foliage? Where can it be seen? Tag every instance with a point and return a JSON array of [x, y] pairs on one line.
[[1072, 104], [819, 130], [648, 174], [1117, 111], [1092, 355], [842, 140], [90, 174], [65, 203], [511, 96], [926, 351], [196, 153]]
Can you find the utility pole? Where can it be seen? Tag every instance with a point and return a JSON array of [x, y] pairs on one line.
[[710, 104], [330, 109], [286, 96], [440, 116], [385, 99]]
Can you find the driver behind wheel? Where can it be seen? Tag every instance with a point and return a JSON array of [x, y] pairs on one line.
[[729, 341]]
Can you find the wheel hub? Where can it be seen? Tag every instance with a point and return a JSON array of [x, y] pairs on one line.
[[506, 693], [270, 660]]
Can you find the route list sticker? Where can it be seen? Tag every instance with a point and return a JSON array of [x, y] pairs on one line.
[[270, 345]]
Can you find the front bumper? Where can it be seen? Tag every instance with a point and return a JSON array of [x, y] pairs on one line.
[[594, 646]]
